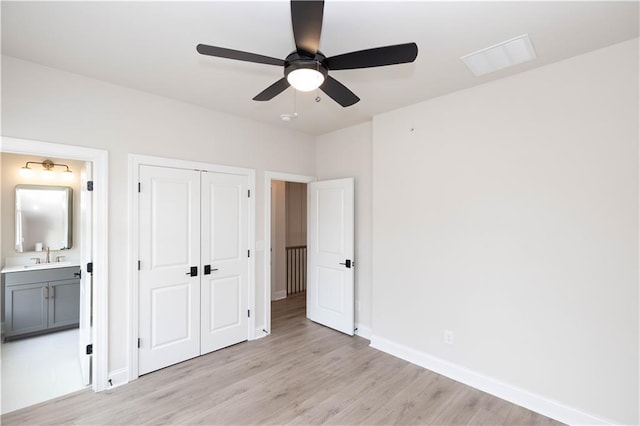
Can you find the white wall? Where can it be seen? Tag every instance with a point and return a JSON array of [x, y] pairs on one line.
[[45, 104], [278, 240], [508, 214], [296, 201], [347, 153]]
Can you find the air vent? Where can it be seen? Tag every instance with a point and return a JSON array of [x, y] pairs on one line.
[[502, 55]]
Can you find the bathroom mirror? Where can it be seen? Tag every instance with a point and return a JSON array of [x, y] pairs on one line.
[[43, 217]]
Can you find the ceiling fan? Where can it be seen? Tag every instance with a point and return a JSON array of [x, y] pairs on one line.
[[306, 68]]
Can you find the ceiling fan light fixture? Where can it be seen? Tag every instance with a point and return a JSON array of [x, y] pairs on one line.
[[305, 79]]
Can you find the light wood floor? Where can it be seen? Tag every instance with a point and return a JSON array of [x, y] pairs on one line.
[[303, 373]]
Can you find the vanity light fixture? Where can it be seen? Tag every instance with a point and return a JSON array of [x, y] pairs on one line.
[[47, 171]]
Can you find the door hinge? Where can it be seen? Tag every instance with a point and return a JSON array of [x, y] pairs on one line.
[[248, 313], [90, 268], [139, 185], [89, 185], [249, 193], [248, 253], [139, 265], [138, 343], [89, 349]]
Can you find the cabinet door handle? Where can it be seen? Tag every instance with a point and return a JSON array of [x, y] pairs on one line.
[[52, 295], [45, 292]]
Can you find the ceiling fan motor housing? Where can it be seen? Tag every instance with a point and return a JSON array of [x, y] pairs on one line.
[[297, 61]]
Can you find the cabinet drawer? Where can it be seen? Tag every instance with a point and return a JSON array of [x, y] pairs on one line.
[[41, 275]]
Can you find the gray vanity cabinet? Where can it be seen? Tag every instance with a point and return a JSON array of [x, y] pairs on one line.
[[64, 303], [41, 301], [26, 308]]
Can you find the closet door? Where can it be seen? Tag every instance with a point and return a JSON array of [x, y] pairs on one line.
[[225, 279], [169, 287]]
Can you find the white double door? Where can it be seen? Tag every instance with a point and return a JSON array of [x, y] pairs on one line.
[[193, 270]]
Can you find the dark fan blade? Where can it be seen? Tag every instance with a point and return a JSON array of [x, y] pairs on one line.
[[376, 57], [239, 55], [338, 92], [273, 90], [306, 18]]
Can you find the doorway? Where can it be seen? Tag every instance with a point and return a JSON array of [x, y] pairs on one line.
[[288, 248], [275, 265], [330, 286], [60, 331]]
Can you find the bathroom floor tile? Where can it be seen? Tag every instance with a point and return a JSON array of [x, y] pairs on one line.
[[39, 368]]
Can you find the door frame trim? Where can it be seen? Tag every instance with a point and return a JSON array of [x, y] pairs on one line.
[[268, 177], [100, 243], [135, 161]]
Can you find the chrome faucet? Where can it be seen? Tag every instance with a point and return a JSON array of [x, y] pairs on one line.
[[48, 256]]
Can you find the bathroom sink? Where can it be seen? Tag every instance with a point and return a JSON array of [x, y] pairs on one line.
[[36, 266], [48, 265]]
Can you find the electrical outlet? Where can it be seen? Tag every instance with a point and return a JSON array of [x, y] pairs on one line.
[[448, 337]]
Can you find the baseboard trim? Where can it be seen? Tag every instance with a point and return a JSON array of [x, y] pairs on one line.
[[278, 295], [363, 331], [118, 378], [513, 394]]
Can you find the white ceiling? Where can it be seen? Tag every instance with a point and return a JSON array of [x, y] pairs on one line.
[[150, 46]]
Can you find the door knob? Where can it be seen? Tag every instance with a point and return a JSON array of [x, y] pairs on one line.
[[208, 270], [347, 263], [193, 271]]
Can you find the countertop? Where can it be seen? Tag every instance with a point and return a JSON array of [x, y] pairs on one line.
[[36, 267]]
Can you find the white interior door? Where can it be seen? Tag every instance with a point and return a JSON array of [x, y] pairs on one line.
[[86, 279], [169, 294], [330, 234], [225, 260]]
